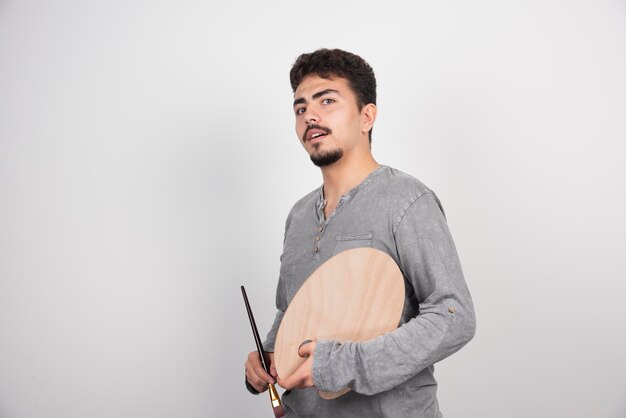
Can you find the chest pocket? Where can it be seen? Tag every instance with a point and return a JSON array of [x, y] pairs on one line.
[[349, 241]]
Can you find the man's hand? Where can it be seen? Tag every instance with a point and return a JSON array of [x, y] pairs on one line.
[[303, 376], [256, 374]]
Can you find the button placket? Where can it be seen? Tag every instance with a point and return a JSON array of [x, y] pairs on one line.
[[316, 244]]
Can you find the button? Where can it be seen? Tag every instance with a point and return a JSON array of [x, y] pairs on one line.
[[451, 309], [317, 238], [316, 249], [320, 229]]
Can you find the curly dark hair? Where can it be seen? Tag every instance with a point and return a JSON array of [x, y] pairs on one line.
[[326, 63]]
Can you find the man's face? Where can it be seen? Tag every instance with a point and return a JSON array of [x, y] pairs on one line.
[[328, 121]]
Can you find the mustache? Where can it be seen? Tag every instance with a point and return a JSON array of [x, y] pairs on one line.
[[322, 128]]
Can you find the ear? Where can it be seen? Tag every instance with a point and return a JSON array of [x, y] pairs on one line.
[[368, 117]]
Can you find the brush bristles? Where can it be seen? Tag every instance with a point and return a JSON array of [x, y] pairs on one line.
[[279, 411]]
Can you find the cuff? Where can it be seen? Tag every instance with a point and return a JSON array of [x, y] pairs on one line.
[[322, 371]]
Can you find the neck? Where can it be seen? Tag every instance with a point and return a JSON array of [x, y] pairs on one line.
[[345, 174]]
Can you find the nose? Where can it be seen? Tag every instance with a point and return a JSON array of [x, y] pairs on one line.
[[311, 117]]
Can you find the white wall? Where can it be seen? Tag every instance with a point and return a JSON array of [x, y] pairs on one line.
[[148, 161]]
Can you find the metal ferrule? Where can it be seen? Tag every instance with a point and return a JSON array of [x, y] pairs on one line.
[[274, 396]]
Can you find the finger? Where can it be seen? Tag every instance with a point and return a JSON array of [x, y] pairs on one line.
[[296, 380], [254, 364], [288, 383], [300, 378], [256, 374], [273, 370], [306, 348], [257, 383], [259, 373], [258, 380]]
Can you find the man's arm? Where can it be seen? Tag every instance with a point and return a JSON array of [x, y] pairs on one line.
[[281, 298], [258, 376], [444, 324]]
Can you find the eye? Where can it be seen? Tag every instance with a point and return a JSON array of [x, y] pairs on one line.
[[328, 101], [300, 110]]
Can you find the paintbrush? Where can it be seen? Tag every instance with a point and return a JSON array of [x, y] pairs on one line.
[[277, 406]]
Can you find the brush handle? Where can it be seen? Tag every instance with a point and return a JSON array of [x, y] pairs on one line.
[[257, 339]]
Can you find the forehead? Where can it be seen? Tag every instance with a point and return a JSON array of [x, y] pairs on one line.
[[313, 83]]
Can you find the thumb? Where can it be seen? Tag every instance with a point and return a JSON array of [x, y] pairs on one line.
[[306, 348]]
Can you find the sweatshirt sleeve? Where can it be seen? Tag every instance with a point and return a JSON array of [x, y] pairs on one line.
[[281, 300], [445, 322], [281, 305]]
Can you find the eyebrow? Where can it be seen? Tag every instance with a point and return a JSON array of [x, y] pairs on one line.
[[315, 96]]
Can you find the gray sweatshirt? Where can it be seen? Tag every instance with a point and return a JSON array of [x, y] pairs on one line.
[[392, 375]]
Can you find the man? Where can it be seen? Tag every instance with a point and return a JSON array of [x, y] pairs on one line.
[[364, 204]]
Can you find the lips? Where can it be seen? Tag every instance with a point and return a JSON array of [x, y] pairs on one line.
[[314, 132]]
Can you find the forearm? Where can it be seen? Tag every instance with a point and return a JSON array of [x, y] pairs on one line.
[[380, 364]]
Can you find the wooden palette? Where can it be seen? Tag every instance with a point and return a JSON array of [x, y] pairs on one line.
[[356, 295]]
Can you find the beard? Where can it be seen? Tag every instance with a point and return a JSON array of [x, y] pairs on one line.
[[323, 159]]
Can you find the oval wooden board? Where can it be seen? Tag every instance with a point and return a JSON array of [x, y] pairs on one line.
[[356, 295]]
